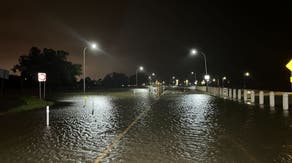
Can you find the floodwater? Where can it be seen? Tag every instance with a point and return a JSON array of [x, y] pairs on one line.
[[137, 127]]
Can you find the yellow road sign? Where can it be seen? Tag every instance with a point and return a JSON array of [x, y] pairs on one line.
[[291, 79], [289, 65]]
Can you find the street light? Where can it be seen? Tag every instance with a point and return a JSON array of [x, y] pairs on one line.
[[246, 75], [207, 77], [224, 78], [141, 68], [92, 46]]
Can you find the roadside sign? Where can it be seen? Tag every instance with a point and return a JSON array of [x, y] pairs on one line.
[[4, 74], [289, 65], [291, 79], [42, 77]]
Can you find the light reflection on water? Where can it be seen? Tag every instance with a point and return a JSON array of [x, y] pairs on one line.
[[177, 128]]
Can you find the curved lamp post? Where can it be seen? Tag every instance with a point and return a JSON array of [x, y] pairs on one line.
[[245, 75], [141, 68], [92, 46], [206, 77]]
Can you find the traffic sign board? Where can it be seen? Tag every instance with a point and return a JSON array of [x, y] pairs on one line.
[[42, 77], [289, 65]]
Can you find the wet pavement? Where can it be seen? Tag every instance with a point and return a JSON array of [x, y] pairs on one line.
[[128, 127]]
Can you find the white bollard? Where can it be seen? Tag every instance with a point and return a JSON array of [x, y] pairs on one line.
[[272, 99], [261, 98], [285, 101], [230, 93], [48, 116], [252, 97], [244, 95], [239, 94], [234, 93]]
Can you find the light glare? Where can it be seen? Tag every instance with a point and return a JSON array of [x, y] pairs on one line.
[[194, 52], [93, 46], [141, 68], [207, 77]]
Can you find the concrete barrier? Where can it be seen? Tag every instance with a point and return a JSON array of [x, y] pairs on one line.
[[252, 94], [272, 99], [248, 96], [244, 95], [234, 93], [230, 93], [261, 98], [239, 94], [285, 101]]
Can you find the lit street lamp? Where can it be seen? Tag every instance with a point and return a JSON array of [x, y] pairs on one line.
[[195, 74], [206, 77], [246, 75], [92, 46], [141, 68], [224, 78]]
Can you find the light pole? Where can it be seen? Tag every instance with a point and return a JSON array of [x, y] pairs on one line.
[[173, 80], [154, 77], [92, 46], [141, 68], [245, 75], [224, 78], [206, 77], [194, 74]]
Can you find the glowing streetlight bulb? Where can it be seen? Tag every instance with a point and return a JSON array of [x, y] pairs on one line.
[[194, 52], [93, 46], [247, 74], [207, 77], [224, 78], [141, 68]]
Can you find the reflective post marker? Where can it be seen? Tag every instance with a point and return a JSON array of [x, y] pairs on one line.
[[48, 116], [285, 101], [261, 98], [272, 99]]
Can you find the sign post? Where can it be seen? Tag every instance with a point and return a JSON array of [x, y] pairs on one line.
[[42, 77], [289, 66]]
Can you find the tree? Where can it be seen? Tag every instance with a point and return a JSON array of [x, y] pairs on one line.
[[60, 72], [142, 79], [115, 80]]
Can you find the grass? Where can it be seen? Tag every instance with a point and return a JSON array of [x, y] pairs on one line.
[[23, 103]]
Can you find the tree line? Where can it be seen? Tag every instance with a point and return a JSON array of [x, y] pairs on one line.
[[64, 74]]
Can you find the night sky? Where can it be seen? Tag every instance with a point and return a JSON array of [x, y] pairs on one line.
[[236, 37]]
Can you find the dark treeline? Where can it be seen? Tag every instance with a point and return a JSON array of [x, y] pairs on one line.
[[62, 74]]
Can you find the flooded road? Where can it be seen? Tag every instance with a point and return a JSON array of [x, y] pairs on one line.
[[128, 127]]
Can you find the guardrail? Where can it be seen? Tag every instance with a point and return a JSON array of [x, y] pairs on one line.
[[263, 98]]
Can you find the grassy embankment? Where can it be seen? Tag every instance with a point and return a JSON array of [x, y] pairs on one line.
[[13, 104]]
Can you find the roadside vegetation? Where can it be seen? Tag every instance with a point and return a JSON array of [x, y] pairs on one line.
[[13, 104]]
